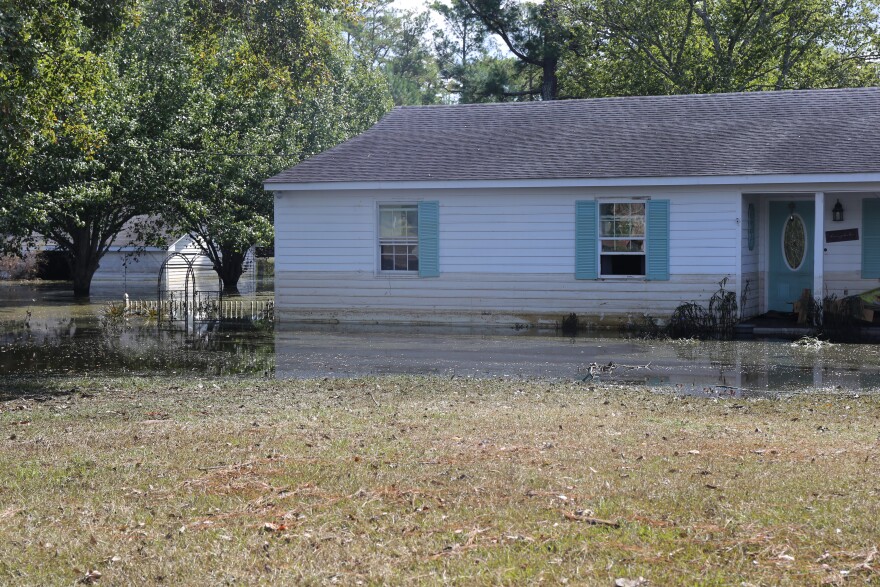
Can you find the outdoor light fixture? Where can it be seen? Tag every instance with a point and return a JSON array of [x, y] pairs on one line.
[[791, 209], [837, 212]]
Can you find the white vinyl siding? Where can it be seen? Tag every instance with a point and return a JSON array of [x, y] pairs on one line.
[[843, 261], [501, 251]]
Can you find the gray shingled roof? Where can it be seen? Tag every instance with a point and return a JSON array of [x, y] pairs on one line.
[[793, 132]]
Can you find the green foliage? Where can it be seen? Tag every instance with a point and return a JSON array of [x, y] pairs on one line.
[[393, 43], [79, 192], [52, 71], [462, 46], [707, 46], [190, 105], [537, 37], [255, 107]]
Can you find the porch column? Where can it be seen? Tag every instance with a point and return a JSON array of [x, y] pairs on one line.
[[819, 248]]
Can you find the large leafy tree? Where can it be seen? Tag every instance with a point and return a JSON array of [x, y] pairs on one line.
[[52, 70], [535, 35], [704, 46], [269, 86], [82, 166], [189, 106], [394, 42]]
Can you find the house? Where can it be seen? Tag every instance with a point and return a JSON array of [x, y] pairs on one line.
[[130, 267], [613, 208]]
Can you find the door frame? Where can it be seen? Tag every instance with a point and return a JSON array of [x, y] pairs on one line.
[[774, 244], [763, 199]]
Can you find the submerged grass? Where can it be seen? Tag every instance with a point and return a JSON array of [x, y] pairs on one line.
[[404, 480]]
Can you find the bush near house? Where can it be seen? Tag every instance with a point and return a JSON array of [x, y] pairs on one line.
[[15, 267]]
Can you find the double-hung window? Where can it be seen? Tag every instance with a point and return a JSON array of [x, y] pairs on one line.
[[399, 238], [622, 238]]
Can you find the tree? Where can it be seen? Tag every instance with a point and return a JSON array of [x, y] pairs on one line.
[[459, 46], [79, 192], [255, 108], [393, 42], [534, 34], [51, 69], [195, 102], [699, 46]]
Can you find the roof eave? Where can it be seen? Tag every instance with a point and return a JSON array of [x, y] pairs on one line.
[[709, 180]]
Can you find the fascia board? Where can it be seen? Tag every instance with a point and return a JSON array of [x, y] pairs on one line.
[[716, 180]]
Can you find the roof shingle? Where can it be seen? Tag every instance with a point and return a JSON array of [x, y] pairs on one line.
[[758, 133]]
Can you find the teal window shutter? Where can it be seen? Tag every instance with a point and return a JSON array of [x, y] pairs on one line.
[[586, 264], [657, 261], [429, 239], [870, 238]]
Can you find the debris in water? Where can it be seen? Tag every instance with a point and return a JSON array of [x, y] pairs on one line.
[[811, 342]]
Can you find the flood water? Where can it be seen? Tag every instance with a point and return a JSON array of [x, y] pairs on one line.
[[44, 333]]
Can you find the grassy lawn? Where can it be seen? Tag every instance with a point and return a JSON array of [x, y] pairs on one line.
[[431, 481]]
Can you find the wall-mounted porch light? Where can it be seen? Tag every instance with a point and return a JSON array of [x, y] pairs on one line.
[[837, 212]]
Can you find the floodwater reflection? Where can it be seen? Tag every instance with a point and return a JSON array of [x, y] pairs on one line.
[[43, 333], [713, 367]]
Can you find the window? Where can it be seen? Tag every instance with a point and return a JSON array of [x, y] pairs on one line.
[[399, 238], [794, 242], [622, 238]]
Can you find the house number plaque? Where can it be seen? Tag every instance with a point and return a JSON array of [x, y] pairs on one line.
[[839, 236]]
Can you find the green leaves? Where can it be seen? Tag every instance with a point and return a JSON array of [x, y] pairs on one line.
[[257, 104], [168, 111], [706, 46]]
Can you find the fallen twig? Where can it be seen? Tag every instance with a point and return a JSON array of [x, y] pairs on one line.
[[235, 466], [575, 517]]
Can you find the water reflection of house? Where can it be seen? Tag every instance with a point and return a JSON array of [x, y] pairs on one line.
[[609, 208]]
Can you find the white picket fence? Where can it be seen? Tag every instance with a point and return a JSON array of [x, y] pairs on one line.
[[246, 310], [212, 309]]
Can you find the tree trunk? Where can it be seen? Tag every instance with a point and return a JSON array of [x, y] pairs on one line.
[[550, 83], [83, 263], [82, 279], [231, 268]]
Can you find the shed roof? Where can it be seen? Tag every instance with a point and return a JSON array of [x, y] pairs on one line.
[[756, 133]]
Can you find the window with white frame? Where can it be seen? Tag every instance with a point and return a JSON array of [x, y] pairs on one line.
[[399, 237], [622, 238]]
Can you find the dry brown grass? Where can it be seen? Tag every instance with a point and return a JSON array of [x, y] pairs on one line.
[[430, 481]]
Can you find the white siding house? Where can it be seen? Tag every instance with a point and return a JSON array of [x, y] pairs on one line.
[[613, 209]]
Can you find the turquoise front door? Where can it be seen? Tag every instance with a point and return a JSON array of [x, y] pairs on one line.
[[791, 252]]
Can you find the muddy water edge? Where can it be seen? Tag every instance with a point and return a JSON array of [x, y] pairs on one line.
[[45, 332]]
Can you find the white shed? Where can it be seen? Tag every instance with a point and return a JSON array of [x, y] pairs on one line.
[[613, 209], [175, 273]]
